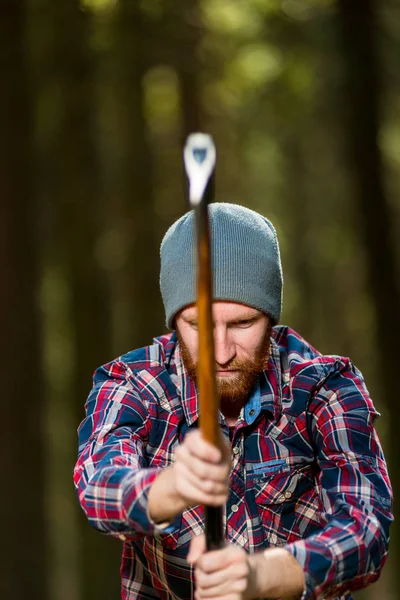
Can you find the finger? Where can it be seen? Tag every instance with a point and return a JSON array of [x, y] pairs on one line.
[[199, 447], [203, 469], [214, 582], [196, 494], [220, 559], [230, 596], [197, 548], [185, 472], [230, 585]]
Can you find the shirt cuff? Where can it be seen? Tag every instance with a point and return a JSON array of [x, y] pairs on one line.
[[135, 504], [299, 551], [166, 526]]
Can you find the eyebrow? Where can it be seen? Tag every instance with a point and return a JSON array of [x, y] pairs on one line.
[[247, 317], [191, 319], [244, 318]]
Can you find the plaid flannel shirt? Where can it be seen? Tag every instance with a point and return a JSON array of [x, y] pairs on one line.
[[308, 470]]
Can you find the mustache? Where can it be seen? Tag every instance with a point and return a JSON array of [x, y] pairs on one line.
[[247, 369], [247, 366]]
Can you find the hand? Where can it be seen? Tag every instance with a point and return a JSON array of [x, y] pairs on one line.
[[199, 475], [232, 574], [201, 471], [225, 574]]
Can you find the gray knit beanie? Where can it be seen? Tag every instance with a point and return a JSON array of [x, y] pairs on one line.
[[245, 255]]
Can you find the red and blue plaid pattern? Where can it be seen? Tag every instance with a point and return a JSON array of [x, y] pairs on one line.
[[308, 469]]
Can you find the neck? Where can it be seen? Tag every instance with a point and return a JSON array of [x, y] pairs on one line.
[[231, 409]]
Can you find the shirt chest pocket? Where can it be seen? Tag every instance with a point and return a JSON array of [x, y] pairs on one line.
[[288, 505]]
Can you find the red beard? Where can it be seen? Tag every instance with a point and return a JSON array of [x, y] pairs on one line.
[[235, 388]]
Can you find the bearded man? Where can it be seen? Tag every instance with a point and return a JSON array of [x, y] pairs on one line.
[[301, 475]]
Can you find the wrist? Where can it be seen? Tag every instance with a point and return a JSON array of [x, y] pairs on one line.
[[176, 501], [275, 573], [259, 580], [164, 502]]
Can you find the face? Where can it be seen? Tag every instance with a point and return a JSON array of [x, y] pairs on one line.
[[241, 341]]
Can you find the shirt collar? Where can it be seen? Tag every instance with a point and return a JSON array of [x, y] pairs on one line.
[[186, 388], [252, 408], [271, 384]]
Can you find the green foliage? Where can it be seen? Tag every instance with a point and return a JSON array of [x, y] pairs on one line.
[[161, 98], [98, 5]]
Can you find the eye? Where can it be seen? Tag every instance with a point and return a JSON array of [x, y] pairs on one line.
[[243, 323]]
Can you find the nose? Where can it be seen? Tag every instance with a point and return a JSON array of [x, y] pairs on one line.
[[224, 346]]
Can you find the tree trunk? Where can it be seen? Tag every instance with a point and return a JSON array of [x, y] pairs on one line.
[[24, 559], [189, 28], [358, 25], [298, 223], [73, 168], [141, 316]]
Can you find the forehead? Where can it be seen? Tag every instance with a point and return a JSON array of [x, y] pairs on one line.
[[223, 311]]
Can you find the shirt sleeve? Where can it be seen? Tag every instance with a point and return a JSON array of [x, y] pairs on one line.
[[350, 550], [111, 476]]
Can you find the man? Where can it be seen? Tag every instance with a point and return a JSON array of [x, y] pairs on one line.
[[301, 473]]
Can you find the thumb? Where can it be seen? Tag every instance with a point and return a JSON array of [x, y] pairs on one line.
[[197, 548]]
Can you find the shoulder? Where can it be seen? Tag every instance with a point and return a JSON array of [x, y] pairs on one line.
[[149, 359], [326, 380], [302, 362], [143, 375]]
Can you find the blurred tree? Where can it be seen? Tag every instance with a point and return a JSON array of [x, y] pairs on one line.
[[120, 85], [189, 32], [298, 223], [72, 170], [283, 106], [140, 310], [24, 559], [358, 22]]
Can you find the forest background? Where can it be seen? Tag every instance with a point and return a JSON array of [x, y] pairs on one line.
[[97, 97]]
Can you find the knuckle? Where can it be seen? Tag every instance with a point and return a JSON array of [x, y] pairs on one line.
[[180, 455], [202, 470], [190, 442], [218, 491], [200, 578], [193, 435], [242, 572], [209, 486], [219, 473], [215, 501], [241, 585], [204, 572]]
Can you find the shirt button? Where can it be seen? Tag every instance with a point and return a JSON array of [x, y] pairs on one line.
[[251, 412], [122, 537], [234, 508], [281, 498], [288, 495], [236, 450]]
